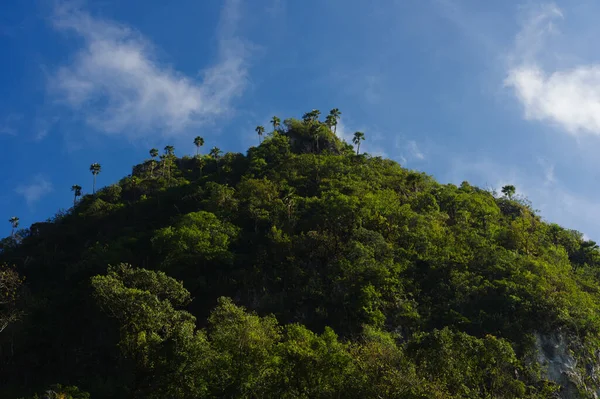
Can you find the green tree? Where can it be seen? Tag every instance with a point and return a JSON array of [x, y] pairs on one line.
[[153, 155], [312, 116], [335, 114], [168, 159], [276, 122], [14, 222], [358, 137], [168, 353], [76, 192], [509, 191], [95, 168], [215, 153], [198, 142], [10, 288], [260, 130], [330, 121], [169, 150]]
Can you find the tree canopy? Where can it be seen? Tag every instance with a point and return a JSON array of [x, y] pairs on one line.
[[296, 270]]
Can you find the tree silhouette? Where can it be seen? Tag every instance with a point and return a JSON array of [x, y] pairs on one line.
[[95, 168], [76, 192], [260, 130], [215, 152], [14, 221], [153, 154]]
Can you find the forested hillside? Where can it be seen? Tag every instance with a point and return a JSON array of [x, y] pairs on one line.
[[302, 269]]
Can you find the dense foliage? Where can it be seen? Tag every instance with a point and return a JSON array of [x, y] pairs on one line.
[[301, 269]]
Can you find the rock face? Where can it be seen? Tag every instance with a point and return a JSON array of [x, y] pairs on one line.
[[554, 353]]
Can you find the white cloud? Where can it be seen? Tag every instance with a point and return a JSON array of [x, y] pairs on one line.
[[35, 190], [568, 98], [118, 85], [408, 151]]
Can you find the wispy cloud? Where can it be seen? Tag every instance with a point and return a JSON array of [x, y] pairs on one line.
[[118, 85], [10, 124], [35, 190], [568, 98], [408, 151]]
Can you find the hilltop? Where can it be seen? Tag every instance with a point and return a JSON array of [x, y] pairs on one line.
[[303, 268]]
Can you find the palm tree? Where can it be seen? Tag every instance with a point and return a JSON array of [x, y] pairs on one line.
[[169, 153], [153, 154], [311, 116], [14, 221], [95, 168], [215, 152], [198, 142], [276, 122], [330, 121], [335, 113], [169, 150], [260, 130], [358, 137], [76, 192]]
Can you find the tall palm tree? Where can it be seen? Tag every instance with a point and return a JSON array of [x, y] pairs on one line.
[[169, 154], [95, 168], [330, 121], [198, 142], [358, 137], [153, 154], [276, 122], [335, 113], [215, 152], [14, 221], [260, 130], [169, 150], [76, 192]]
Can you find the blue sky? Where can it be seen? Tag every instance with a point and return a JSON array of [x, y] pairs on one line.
[[489, 92]]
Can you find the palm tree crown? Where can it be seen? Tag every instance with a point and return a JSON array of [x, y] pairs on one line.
[[76, 192], [95, 168], [311, 116], [14, 221], [169, 150], [335, 116], [198, 142], [215, 152], [260, 130], [154, 153], [276, 122], [358, 137]]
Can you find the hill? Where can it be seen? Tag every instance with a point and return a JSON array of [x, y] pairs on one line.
[[300, 269]]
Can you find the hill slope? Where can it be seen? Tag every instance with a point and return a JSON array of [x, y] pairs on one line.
[[298, 270]]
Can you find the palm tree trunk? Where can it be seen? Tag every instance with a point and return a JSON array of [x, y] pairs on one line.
[[94, 185], [358, 148]]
